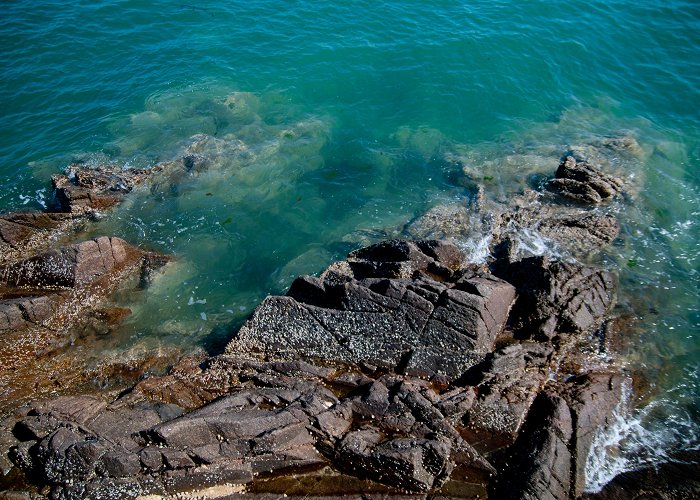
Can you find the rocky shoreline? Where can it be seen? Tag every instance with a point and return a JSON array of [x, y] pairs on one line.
[[402, 372]]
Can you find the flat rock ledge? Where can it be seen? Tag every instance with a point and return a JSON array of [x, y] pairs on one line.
[[400, 372]]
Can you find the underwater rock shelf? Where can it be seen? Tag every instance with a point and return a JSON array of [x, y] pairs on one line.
[[403, 370]]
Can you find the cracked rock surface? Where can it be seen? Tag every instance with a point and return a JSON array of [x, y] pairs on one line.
[[395, 371]]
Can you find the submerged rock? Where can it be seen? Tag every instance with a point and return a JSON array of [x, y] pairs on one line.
[[82, 190], [49, 299], [64, 281], [23, 233], [582, 182]]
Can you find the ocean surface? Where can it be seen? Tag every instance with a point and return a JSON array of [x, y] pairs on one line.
[[330, 125]]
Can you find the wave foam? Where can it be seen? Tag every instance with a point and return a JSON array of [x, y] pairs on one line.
[[640, 437]]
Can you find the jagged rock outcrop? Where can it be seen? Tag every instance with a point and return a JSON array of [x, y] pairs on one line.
[[81, 190], [403, 367], [385, 368], [557, 298], [539, 462], [548, 459], [580, 181], [383, 308], [532, 221], [507, 384], [70, 266], [390, 430], [591, 397]]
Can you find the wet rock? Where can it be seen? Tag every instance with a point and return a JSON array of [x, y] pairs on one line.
[[583, 182], [17, 314], [668, 481], [84, 190], [558, 298], [70, 266], [592, 399], [538, 465], [23, 232], [580, 233], [372, 368]]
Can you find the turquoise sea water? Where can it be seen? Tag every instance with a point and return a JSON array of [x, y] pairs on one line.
[[328, 125]]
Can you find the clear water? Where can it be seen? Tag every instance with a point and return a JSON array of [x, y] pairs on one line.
[[329, 125]]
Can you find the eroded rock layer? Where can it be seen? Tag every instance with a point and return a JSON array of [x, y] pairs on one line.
[[396, 367]]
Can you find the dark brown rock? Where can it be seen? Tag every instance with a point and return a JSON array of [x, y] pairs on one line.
[[508, 383], [407, 336], [583, 182], [414, 464], [22, 233], [120, 463], [402, 258], [538, 465], [25, 312], [668, 481], [592, 399], [558, 298]]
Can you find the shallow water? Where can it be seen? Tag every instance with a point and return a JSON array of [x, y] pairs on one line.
[[326, 126]]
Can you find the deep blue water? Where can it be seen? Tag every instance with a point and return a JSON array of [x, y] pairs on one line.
[[330, 124]]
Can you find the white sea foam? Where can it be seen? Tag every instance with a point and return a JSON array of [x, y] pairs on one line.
[[39, 197], [640, 437], [476, 249]]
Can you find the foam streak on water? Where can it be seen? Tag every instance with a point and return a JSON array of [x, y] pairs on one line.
[[645, 436]]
